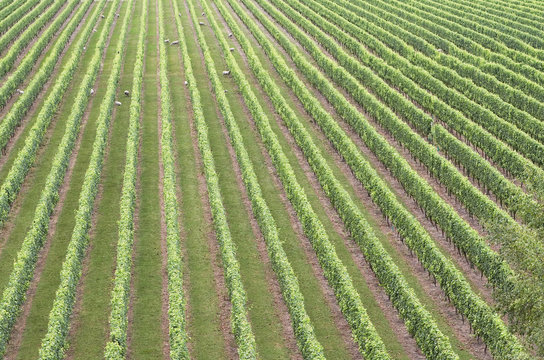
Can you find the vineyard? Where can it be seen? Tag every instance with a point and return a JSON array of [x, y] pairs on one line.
[[272, 179]]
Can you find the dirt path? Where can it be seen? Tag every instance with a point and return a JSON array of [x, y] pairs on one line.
[[18, 330]]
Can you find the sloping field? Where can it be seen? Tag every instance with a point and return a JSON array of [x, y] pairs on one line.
[[271, 179]]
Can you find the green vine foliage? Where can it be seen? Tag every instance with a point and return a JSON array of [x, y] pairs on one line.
[[53, 345], [116, 347], [485, 322], [23, 269]]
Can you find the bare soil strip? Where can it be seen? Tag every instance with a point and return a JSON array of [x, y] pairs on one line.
[[35, 39], [138, 192], [164, 255], [339, 320], [76, 319], [460, 328], [18, 331], [45, 90], [5, 109], [7, 229]]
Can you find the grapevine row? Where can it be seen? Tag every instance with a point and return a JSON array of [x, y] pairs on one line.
[[335, 272], [490, 9], [479, 32], [514, 13], [30, 33], [116, 347], [26, 156], [494, 181], [506, 192], [13, 31], [485, 322], [231, 269], [17, 77], [17, 13], [517, 12], [474, 200], [525, 7], [494, 116], [176, 296], [303, 329], [53, 344], [435, 208], [501, 154], [8, 6], [502, 23], [23, 269], [488, 69], [468, 240], [418, 321]]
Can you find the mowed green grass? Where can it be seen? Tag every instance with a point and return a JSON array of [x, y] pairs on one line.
[[36, 324], [375, 312], [148, 330], [147, 337], [91, 324], [263, 314], [400, 259], [204, 322], [20, 218]]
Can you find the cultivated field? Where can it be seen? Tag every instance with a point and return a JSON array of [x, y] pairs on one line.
[[272, 179]]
